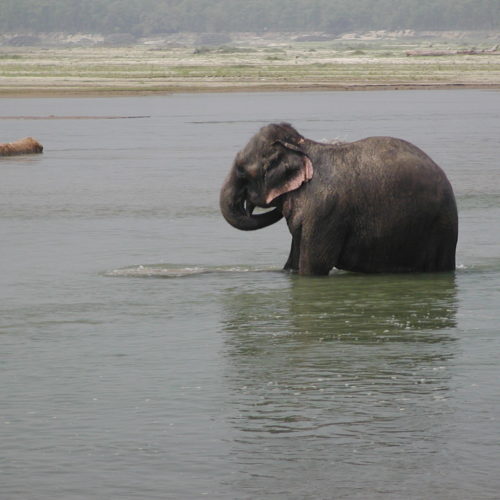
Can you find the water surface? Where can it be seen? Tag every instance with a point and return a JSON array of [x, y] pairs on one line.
[[149, 350]]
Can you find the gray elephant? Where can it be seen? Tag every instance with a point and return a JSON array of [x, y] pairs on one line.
[[375, 205]]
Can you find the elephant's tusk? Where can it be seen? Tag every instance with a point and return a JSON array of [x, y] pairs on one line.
[[249, 208]]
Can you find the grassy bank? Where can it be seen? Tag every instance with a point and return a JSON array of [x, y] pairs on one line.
[[294, 65]]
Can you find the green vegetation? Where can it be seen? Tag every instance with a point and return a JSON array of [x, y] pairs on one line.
[[329, 65], [146, 17]]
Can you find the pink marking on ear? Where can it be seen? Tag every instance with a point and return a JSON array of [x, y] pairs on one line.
[[309, 171], [304, 175]]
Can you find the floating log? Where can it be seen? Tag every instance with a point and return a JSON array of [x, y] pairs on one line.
[[25, 146], [467, 52]]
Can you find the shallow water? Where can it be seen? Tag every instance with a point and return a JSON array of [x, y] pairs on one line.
[[149, 350]]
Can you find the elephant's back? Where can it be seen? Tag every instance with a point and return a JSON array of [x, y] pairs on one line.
[[382, 155], [388, 168]]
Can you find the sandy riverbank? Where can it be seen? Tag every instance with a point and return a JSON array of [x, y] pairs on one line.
[[279, 65]]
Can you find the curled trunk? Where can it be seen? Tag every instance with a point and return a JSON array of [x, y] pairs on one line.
[[238, 211]]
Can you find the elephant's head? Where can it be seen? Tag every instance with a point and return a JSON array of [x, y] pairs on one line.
[[271, 164]]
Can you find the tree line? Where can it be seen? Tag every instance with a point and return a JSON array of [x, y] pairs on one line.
[[149, 17]]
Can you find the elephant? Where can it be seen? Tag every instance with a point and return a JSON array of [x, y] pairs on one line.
[[376, 205], [28, 145]]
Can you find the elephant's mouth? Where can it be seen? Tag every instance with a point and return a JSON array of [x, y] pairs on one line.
[[250, 207]]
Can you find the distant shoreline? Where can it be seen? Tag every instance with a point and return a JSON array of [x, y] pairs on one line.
[[95, 92], [280, 65]]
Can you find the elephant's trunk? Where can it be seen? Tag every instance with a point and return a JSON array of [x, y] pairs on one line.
[[237, 212]]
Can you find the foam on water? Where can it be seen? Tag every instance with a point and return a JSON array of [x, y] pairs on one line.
[[186, 270], [179, 270]]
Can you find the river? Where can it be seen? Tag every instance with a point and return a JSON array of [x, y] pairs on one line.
[[151, 351]]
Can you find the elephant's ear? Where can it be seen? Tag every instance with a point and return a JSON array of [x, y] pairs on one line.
[[301, 173]]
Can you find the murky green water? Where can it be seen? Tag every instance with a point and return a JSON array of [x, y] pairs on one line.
[[149, 350]]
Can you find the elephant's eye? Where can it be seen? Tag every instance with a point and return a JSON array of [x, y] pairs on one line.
[[240, 173], [273, 161]]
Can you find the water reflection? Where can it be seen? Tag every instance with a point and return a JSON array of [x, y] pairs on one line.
[[348, 307], [327, 373]]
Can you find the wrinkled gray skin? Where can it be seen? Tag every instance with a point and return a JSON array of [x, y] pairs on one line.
[[375, 205]]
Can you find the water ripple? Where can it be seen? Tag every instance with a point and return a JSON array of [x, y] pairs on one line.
[[180, 271]]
